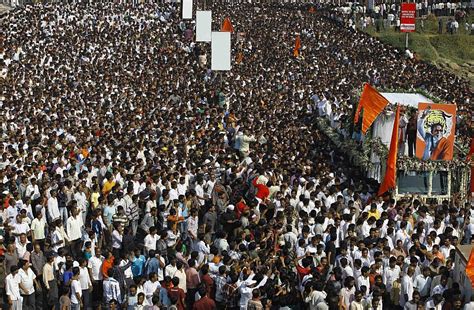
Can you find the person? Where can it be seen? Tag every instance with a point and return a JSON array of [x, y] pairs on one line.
[[64, 300], [76, 290], [12, 289], [27, 285], [177, 294], [407, 287], [437, 147], [108, 109], [111, 288], [414, 301], [206, 303]]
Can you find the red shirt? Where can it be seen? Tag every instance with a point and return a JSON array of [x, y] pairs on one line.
[[240, 208], [302, 272], [204, 303], [262, 190], [209, 284], [179, 294]]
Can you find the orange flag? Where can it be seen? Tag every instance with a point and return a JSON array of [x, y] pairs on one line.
[[389, 181], [312, 9], [227, 25], [373, 103], [470, 267], [296, 50]]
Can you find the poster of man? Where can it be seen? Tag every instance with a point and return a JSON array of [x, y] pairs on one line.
[[436, 131]]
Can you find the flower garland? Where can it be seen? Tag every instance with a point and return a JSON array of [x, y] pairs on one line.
[[360, 154]]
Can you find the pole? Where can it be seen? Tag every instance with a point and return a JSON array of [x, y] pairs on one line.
[[406, 40]]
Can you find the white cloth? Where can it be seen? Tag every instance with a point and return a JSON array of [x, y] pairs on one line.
[[74, 227], [75, 288], [12, 287], [27, 278], [94, 264]]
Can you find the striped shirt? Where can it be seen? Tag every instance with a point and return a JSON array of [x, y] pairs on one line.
[[111, 290]]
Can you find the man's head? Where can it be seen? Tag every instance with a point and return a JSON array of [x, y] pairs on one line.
[[437, 130]]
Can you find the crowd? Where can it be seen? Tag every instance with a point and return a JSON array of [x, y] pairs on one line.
[[133, 177]]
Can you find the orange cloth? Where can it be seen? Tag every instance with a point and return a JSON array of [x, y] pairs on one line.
[[312, 10], [296, 50], [85, 152], [470, 267], [373, 103], [227, 25], [443, 150], [389, 181], [106, 265]]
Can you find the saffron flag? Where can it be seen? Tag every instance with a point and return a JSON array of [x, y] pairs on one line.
[[373, 103], [389, 181], [227, 25], [470, 267], [296, 50]]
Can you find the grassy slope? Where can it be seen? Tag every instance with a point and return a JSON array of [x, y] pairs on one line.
[[452, 52]]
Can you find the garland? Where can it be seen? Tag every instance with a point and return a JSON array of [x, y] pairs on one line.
[[360, 154]]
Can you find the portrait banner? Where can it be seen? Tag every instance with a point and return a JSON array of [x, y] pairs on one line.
[[435, 131]]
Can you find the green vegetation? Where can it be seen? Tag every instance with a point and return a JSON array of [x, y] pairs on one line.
[[452, 52]]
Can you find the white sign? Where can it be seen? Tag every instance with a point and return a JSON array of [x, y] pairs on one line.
[[220, 51], [187, 9], [203, 26]]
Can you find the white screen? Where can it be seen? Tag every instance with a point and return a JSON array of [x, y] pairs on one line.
[[187, 9], [220, 51], [203, 26]]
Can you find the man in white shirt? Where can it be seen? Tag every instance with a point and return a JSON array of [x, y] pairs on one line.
[[407, 286], [12, 288], [38, 228], [27, 284], [363, 280], [57, 239], [94, 264], [151, 287], [423, 283], [53, 207], [151, 239], [111, 289], [86, 283], [391, 273], [74, 231], [76, 290]]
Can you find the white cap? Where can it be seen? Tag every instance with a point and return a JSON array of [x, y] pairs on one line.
[[230, 207]]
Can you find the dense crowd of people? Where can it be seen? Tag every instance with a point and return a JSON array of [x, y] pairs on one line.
[[134, 177]]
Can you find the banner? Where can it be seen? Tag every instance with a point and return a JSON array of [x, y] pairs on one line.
[[187, 9], [203, 26], [435, 131], [220, 51], [408, 17]]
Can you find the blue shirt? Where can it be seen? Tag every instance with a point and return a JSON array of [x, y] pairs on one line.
[[138, 265], [164, 299], [152, 265]]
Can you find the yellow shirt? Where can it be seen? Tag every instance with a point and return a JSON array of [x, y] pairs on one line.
[[375, 214], [107, 187], [95, 199]]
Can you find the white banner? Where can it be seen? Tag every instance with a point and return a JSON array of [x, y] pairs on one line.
[[220, 51], [203, 26], [187, 9]]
